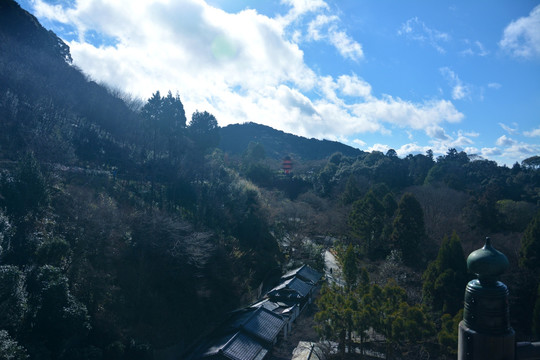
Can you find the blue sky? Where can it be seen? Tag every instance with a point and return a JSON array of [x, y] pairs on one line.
[[374, 74]]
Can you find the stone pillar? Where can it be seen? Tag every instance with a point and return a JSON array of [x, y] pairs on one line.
[[485, 332]]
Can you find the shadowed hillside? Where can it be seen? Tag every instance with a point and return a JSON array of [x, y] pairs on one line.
[[236, 138]]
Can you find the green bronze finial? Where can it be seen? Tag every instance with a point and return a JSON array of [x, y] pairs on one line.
[[486, 299], [487, 263]]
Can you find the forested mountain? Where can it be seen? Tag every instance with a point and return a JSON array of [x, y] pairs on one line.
[[236, 138], [120, 232], [128, 229]]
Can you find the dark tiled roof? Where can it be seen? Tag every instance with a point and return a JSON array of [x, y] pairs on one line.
[[267, 304], [300, 286], [295, 284], [265, 325], [235, 346], [305, 273], [280, 308], [215, 346], [243, 347]]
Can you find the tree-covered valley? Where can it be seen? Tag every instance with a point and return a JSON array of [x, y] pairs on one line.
[[128, 228]]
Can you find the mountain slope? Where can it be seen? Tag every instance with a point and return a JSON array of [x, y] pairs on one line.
[[278, 144]]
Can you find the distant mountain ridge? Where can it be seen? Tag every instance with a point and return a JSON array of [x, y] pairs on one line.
[[235, 139]]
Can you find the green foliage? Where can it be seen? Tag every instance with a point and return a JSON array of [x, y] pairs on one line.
[[448, 335], [411, 325], [532, 162], [408, 233], [445, 278], [366, 220], [27, 191], [350, 267], [364, 307], [536, 315], [449, 170], [10, 349], [254, 153], [530, 246], [13, 298], [204, 130], [515, 215], [323, 183], [335, 316], [351, 192], [164, 120], [419, 167], [6, 233], [390, 205], [53, 251], [141, 230], [58, 316], [260, 174]]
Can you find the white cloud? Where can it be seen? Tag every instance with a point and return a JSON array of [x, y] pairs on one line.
[[354, 86], [521, 37], [475, 48], [463, 139], [511, 130], [316, 26], [379, 147], [533, 133], [411, 148], [324, 27], [471, 150], [417, 30], [491, 152], [469, 133], [300, 8], [347, 47], [359, 142], [494, 85], [505, 141], [459, 89], [437, 132], [520, 150], [240, 67]]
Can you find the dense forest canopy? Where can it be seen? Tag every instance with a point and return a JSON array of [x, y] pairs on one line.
[[130, 228]]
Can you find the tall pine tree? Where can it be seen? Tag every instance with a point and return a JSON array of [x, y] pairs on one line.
[[409, 233], [446, 277]]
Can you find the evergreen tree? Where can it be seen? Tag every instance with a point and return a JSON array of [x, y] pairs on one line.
[[204, 130], [390, 205], [397, 321], [151, 113], [367, 222], [13, 298], [351, 192], [27, 191], [445, 278], [530, 246], [254, 153], [10, 349], [165, 120], [335, 318], [173, 113], [350, 267], [408, 233], [448, 336]]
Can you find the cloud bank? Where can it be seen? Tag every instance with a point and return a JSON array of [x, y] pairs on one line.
[[243, 66]]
